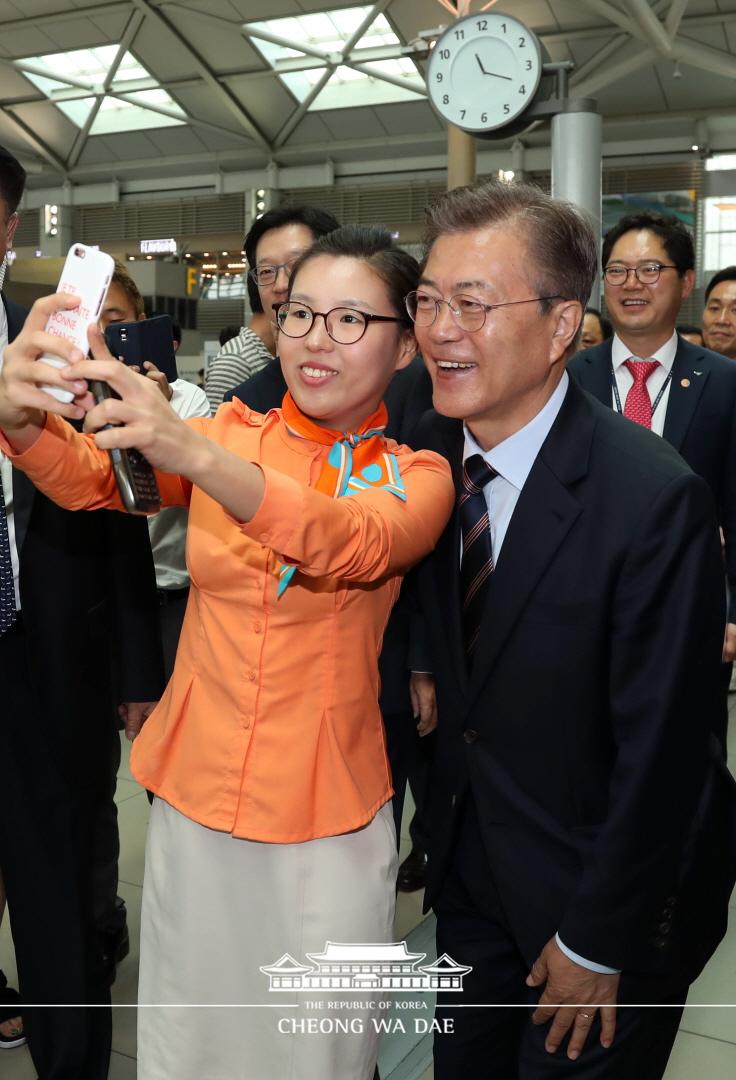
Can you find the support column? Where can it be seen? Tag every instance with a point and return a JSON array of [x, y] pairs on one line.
[[461, 157], [576, 167]]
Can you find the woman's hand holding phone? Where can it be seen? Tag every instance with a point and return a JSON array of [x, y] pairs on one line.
[[23, 404]]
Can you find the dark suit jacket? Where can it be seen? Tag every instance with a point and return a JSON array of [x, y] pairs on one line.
[[582, 732], [90, 615], [408, 396], [700, 423]]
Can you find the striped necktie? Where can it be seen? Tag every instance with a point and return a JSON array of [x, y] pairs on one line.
[[8, 614], [476, 565]]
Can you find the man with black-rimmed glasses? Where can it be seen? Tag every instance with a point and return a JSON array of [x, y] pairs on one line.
[[685, 393], [272, 245]]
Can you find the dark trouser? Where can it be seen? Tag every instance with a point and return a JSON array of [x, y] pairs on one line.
[[45, 854], [410, 759], [502, 1043]]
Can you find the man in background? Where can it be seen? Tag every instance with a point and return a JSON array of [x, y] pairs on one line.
[[78, 636], [272, 245], [719, 314], [684, 393]]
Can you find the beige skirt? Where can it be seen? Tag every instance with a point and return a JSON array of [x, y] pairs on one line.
[[216, 910]]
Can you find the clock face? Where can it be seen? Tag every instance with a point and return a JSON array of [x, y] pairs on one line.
[[484, 71]]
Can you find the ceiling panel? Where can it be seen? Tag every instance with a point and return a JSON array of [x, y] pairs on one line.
[[28, 41], [99, 149], [403, 118], [353, 123], [267, 101]]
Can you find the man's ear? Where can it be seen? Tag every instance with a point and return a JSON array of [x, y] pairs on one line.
[[407, 349], [12, 226], [688, 283], [568, 316]]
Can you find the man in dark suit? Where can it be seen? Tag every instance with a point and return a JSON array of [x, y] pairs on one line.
[[78, 635], [683, 392], [582, 848]]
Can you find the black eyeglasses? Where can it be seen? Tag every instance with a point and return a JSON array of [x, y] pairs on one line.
[[344, 325], [467, 311], [647, 273], [267, 274]]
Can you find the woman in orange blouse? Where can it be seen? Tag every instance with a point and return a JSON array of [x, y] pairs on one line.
[[271, 833]]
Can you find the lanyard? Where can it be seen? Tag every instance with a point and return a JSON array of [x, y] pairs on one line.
[[655, 403]]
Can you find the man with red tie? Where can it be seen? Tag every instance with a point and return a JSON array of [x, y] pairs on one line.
[[683, 392]]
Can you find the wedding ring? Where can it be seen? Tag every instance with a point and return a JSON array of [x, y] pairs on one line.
[[587, 1016]]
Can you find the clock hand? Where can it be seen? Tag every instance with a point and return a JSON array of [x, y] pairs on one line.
[[494, 74]]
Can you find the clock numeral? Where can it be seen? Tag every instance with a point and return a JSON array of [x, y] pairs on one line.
[[445, 99], [503, 27], [439, 76], [528, 65], [484, 118], [522, 42], [444, 54], [482, 24], [522, 89], [506, 110], [459, 35], [462, 113]]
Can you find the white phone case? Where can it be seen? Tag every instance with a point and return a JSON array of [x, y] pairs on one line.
[[87, 273]]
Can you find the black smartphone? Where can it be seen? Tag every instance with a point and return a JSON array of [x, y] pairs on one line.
[[149, 339], [134, 475]]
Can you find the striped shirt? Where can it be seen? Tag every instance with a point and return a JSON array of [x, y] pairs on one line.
[[236, 361]]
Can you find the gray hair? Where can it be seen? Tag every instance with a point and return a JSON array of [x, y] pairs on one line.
[[558, 236]]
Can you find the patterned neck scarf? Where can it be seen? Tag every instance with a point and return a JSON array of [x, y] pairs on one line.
[[356, 461]]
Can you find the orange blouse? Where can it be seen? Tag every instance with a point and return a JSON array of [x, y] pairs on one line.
[[270, 728]]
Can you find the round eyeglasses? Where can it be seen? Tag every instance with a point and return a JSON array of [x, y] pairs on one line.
[[267, 274], [344, 325], [647, 273], [468, 312]]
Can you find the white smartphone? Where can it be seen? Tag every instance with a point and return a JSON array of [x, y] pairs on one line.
[[87, 274]]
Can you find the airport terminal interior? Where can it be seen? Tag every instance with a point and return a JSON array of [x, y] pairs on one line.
[[161, 131]]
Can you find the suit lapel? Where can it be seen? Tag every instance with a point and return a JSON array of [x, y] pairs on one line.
[[691, 367], [594, 372], [446, 560], [543, 516]]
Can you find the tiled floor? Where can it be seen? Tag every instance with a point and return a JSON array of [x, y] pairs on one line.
[[705, 1046]]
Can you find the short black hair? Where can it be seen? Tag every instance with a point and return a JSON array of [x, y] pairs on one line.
[[606, 328], [728, 273], [674, 234], [319, 222], [373, 245], [176, 331], [228, 333], [689, 328], [12, 180]]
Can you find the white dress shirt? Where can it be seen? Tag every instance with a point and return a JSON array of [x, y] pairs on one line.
[[659, 378], [168, 528], [513, 460], [7, 474]]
